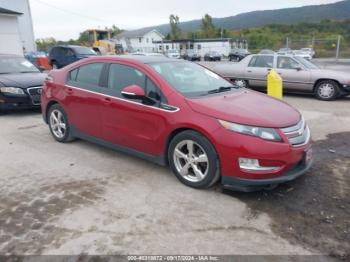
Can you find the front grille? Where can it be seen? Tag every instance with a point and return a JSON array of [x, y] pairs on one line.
[[298, 135], [35, 94]]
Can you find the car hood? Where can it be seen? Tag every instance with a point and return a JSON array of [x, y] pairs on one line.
[[248, 108], [342, 77], [23, 80]]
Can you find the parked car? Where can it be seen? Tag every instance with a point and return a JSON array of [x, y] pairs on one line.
[[148, 54], [238, 54], [310, 51], [20, 83], [298, 74], [285, 51], [267, 52], [191, 55], [174, 112], [212, 56], [62, 55], [173, 53], [302, 54]]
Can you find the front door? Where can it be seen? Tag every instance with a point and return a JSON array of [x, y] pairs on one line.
[[295, 76], [131, 123]]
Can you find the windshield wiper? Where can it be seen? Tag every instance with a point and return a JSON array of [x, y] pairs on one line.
[[221, 89]]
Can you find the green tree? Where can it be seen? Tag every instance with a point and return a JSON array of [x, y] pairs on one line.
[[44, 44], [175, 31], [208, 28]]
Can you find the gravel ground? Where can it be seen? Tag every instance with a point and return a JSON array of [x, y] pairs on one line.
[[81, 198]]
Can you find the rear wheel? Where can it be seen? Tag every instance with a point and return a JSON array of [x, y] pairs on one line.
[[59, 124], [241, 83], [327, 90], [193, 159]]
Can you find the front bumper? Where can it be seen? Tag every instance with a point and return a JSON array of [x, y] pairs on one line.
[[19, 102], [252, 184]]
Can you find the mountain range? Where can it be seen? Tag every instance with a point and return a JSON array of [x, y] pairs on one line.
[[312, 14]]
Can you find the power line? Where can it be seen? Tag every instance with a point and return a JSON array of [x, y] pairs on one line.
[[71, 12]]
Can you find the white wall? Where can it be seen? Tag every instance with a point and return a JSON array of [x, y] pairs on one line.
[[25, 24], [142, 44], [10, 42]]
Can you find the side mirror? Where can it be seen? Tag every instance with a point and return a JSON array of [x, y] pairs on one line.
[[298, 68], [133, 92]]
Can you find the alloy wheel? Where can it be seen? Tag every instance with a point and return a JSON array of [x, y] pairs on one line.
[[58, 124], [191, 161], [240, 83]]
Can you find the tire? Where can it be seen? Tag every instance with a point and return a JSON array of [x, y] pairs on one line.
[[241, 83], [57, 117], [327, 90], [199, 169]]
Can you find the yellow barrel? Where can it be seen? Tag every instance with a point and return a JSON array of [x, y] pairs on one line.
[[274, 85]]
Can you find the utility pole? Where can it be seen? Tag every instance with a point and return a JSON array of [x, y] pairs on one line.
[[338, 48], [313, 41], [287, 42]]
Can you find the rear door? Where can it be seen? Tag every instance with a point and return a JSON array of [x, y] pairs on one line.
[[83, 98], [132, 123], [257, 70]]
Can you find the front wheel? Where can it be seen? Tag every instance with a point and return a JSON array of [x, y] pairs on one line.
[[193, 159], [327, 90]]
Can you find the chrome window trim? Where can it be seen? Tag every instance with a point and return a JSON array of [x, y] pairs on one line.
[[128, 101], [34, 87]]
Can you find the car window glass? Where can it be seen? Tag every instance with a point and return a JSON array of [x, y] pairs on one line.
[[262, 61], [73, 74], [152, 91], [121, 76], [70, 52], [252, 61], [89, 74], [284, 62]]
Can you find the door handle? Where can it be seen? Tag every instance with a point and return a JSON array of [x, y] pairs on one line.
[[107, 100], [249, 71]]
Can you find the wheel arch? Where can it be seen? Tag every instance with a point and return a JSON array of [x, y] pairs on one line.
[[182, 129], [324, 79], [49, 105]]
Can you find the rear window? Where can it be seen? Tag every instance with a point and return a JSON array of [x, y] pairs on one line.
[[261, 61], [86, 76]]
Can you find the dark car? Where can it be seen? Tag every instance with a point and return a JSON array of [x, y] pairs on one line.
[[191, 55], [238, 54], [212, 56], [60, 56], [20, 83]]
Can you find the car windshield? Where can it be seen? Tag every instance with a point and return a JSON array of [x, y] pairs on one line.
[[84, 51], [12, 65], [306, 63], [190, 79]]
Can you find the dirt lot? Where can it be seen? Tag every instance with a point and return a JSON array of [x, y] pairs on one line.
[[81, 198]]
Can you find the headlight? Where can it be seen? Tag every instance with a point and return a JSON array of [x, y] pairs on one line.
[[264, 133], [12, 90]]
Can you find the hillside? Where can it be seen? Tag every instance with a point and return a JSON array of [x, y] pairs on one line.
[[311, 14]]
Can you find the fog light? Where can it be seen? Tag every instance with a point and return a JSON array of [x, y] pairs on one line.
[[253, 165]]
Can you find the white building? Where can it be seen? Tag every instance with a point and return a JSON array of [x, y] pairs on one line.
[[16, 27], [141, 40], [202, 46]]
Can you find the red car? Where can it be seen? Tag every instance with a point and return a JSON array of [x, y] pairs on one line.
[[180, 114]]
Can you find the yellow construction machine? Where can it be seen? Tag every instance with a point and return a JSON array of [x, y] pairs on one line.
[[100, 41]]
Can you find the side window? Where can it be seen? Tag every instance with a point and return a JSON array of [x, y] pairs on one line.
[[90, 74], [262, 61], [86, 76], [121, 76], [285, 62], [152, 91]]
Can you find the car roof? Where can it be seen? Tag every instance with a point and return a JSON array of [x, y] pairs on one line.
[[71, 46], [136, 58]]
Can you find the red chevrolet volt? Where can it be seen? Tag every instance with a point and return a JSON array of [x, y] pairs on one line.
[[180, 114]]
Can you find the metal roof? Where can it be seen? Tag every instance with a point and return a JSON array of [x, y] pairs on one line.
[[9, 12]]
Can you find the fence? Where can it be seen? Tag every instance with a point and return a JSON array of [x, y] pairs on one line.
[[331, 47]]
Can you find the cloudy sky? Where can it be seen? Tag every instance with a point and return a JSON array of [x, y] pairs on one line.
[[64, 19]]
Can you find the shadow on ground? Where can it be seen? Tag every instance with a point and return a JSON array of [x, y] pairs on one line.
[[315, 209]]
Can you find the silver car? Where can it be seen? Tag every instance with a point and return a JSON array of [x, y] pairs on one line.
[[298, 74]]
